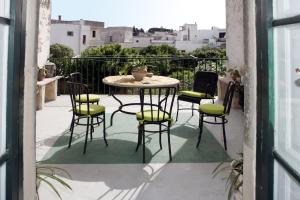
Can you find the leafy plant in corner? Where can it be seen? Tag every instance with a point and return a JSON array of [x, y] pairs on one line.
[[47, 173], [234, 180]]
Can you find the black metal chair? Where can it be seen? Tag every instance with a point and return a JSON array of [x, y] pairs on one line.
[[86, 110], [77, 78], [217, 111], [155, 109], [204, 87]]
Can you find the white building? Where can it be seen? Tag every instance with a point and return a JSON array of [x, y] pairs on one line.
[[190, 38], [78, 35], [83, 34]]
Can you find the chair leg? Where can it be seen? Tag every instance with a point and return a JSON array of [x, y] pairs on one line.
[[72, 131], [72, 122], [201, 129], [98, 117], [87, 134], [139, 138], [192, 109], [104, 130], [169, 141], [224, 133], [160, 145], [92, 128], [177, 110], [143, 136]]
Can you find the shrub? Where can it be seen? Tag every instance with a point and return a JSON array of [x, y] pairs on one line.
[[104, 50], [61, 51]]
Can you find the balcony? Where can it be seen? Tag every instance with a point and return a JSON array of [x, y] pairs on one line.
[[117, 171]]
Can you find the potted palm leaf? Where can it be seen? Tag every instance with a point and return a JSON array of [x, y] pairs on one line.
[[234, 182], [48, 174]]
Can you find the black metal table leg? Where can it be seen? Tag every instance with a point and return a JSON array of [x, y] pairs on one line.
[[118, 110]]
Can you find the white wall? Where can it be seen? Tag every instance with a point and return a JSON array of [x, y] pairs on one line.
[[59, 36], [84, 30], [142, 41], [250, 101], [235, 33], [31, 52], [44, 32], [241, 52], [188, 46]]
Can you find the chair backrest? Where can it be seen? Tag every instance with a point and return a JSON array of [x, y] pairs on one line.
[[162, 101], [206, 82], [76, 77], [228, 97], [78, 91]]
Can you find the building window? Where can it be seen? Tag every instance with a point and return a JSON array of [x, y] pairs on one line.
[[84, 39], [94, 34], [110, 39], [137, 41], [70, 33]]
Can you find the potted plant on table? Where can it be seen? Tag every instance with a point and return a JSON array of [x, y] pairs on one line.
[[234, 182]]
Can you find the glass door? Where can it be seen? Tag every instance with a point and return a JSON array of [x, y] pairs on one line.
[[4, 29], [285, 110]]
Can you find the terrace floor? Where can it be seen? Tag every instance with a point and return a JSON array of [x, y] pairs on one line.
[[159, 181]]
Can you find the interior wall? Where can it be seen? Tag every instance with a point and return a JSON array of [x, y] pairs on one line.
[[29, 99], [241, 52], [249, 175], [44, 32], [235, 33]]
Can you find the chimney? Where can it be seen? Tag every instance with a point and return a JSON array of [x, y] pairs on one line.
[[59, 17]]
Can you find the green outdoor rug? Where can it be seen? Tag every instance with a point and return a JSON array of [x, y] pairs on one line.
[[122, 140]]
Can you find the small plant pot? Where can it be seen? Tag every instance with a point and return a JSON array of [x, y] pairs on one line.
[[50, 70], [41, 74], [139, 75]]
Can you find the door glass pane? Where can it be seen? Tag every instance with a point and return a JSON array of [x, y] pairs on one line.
[[286, 188], [2, 182], [286, 8], [287, 93], [3, 85], [4, 8]]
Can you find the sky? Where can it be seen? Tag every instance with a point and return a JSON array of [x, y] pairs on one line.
[[144, 13]]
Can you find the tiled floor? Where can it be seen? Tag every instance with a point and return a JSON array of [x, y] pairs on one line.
[[170, 181]]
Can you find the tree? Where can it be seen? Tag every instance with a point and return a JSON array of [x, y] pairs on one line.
[[207, 52], [61, 51], [161, 50], [105, 50]]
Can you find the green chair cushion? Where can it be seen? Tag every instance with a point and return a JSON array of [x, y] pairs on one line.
[[148, 117], [83, 98], [196, 94], [94, 109], [213, 109]]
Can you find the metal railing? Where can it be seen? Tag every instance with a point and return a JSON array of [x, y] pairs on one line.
[[94, 69]]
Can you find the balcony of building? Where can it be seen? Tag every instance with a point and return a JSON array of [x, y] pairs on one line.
[[116, 171]]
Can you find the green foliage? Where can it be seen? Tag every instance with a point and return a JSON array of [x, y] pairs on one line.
[[61, 51], [105, 50], [152, 30], [235, 178], [207, 52], [160, 50], [212, 60], [47, 173], [186, 77]]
